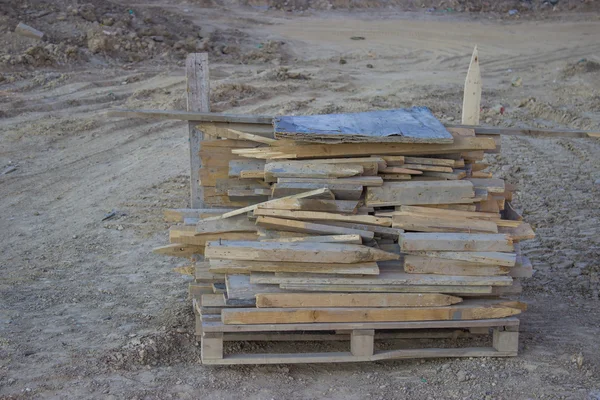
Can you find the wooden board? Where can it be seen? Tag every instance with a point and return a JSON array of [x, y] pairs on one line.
[[306, 169], [337, 206], [239, 287], [400, 170], [426, 223], [416, 193], [425, 167], [441, 269], [384, 278], [246, 267], [237, 166], [324, 216], [296, 252], [238, 223], [448, 289], [355, 180], [179, 250], [472, 92], [308, 300], [487, 258], [349, 239], [188, 235], [410, 125], [461, 144], [310, 227], [455, 242], [464, 311], [341, 191], [430, 161]]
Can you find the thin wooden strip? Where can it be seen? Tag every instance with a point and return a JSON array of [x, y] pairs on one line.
[[310, 227], [432, 168], [349, 239], [416, 193], [455, 242], [246, 267], [354, 180], [423, 223], [338, 206], [400, 170], [448, 289], [488, 258], [324, 216], [300, 169]]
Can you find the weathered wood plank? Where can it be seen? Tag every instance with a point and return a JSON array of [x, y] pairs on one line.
[[310, 227], [296, 252], [306, 169], [472, 92], [355, 180], [305, 300], [339, 206], [416, 193], [341, 191], [455, 242], [426, 223], [348, 239], [448, 289], [480, 257], [246, 267], [324, 216]]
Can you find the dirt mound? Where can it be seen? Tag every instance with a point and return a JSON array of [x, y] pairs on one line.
[[583, 66]]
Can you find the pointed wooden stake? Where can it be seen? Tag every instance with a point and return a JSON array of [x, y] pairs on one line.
[[472, 95]]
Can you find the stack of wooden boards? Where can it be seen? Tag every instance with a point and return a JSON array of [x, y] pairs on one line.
[[354, 237]]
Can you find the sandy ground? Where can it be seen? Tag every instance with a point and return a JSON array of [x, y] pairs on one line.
[[87, 311]]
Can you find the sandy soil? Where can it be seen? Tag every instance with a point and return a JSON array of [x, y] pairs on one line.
[[87, 311]]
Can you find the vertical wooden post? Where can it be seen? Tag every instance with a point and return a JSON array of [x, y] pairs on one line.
[[211, 347], [198, 99], [505, 341], [472, 93]]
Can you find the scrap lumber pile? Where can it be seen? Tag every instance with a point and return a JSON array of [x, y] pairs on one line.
[[352, 235]]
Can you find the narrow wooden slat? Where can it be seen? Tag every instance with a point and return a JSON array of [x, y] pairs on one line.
[[246, 267], [307, 300], [324, 216], [310, 227]]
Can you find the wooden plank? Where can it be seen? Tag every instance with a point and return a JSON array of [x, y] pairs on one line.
[[179, 250], [430, 161], [198, 100], [449, 324], [238, 224], [366, 149], [362, 342], [494, 185], [239, 287], [307, 300], [395, 177], [237, 166], [426, 223], [310, 227], [479, 257], [384, 278], [296, 252], [416, 193], [453, 289], [379, 230], [252, 174], [339, 206], [324, 216], [366, 162], [340, 191], [355, 180], [409, 125], [310, 193], [455, 242], [440, 269], [235, 134], [472, 92], [246, 267], [522, 232], [454, 175], [306, 169], [349, 239], [464, 311], [460, 207], [400, 170], [431, 168], [189, 236]]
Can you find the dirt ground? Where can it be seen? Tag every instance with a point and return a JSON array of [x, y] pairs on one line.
[[87, 311]]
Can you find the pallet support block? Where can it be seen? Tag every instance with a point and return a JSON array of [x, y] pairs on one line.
[[362, 342], [211, 347], [505, 341]]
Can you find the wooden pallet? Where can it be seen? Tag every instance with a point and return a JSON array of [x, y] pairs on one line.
[[362, 336]]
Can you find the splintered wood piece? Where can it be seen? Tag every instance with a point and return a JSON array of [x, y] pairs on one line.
[[472, 92], [455, 242], [324, 216], [243, 210], [479, 257], [235, 134], [415, 193], [463, 311], [179, 250], [296, 252], [425, 223], [461, 144], [453, 289], [307, 169], [393, 277], [349, 239], [353, 180], [400, 170], [521, 232], [305, 300], [310, 227], [432, 168], [339, 206], [341, 191], [246, 267], [188, 235]]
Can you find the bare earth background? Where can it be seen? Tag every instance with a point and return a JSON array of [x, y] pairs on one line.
[[87, 311]]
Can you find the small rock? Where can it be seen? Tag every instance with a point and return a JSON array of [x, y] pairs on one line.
[[120, 227], [597, 182], [517, 81], [462, 376], [498, 109], [342, 61], [357, 37], [369, 65], [513, 12]]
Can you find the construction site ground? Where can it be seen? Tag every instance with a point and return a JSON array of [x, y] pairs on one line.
[[88, 311]]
